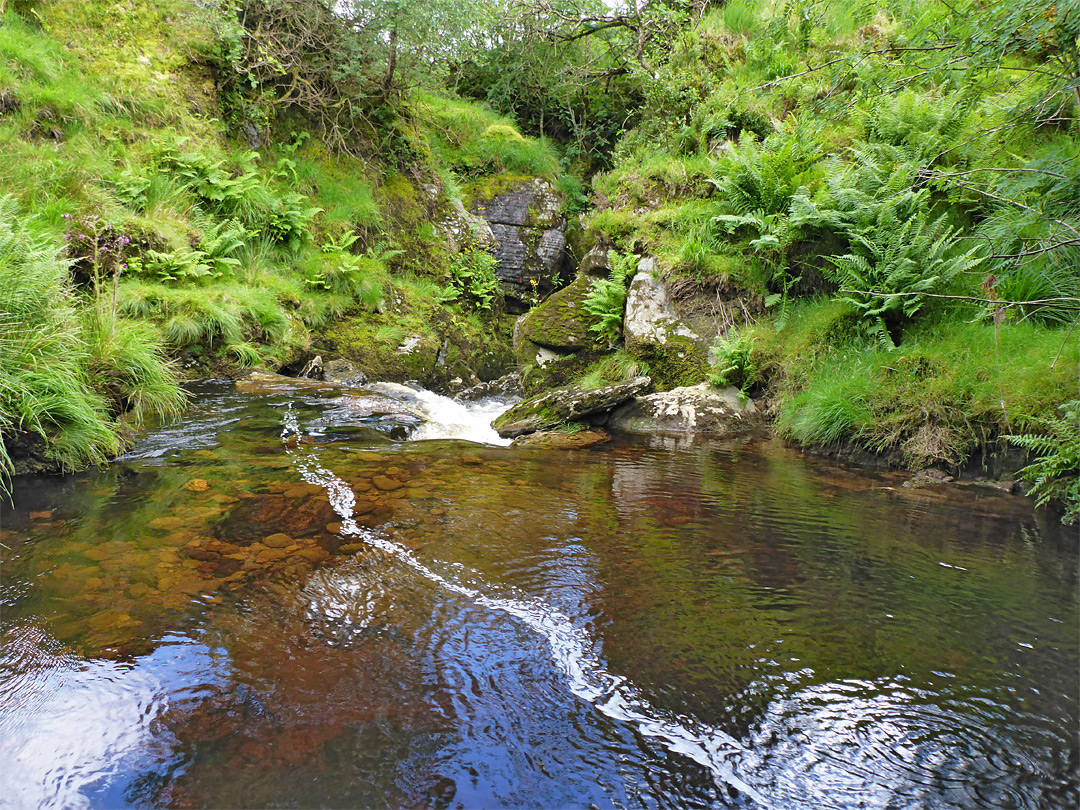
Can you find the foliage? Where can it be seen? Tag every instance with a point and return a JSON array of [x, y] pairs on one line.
[[44, 385], [472, 140], [893, 266], [1055, 472], [472, 279], [734, 361], [606, 300]]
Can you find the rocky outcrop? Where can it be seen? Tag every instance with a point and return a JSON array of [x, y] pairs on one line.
[[694, 409], [650, 313], [530, 239], [561, 405]]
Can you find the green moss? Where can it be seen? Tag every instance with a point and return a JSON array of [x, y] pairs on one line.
[[679, 362], [483, 190]]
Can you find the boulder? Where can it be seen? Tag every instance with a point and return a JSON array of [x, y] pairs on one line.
[[561, 405], [650, 313], [463, 229], [342, 372], [560, 324], [530, 239], [694, 409]]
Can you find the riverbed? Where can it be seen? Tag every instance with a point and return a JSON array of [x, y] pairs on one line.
[[299, 597]]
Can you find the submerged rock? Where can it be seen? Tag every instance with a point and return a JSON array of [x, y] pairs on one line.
[[563, 440], [561, 405], [693, 409]]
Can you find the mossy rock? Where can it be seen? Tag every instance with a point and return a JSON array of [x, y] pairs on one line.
[[567, 404], [679, 362], [560, 372], [561, 322]]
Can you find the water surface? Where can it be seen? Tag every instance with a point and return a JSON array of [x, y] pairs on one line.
[[297, 599]]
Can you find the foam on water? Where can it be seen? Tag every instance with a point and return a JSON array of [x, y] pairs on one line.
[[447, 419], [571, 649]]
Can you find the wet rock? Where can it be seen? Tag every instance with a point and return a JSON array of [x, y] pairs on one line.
[[262, 382], [277, 540], [197, 485], [561, 405], [385, 484], [563, 440], [45, 515], [342, 372], [693, 409], [506, 387]]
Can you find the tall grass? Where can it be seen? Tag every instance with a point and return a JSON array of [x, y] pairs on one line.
[[474, 140], [44, 387]]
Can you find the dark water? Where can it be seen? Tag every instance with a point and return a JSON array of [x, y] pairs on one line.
[[279, 603]]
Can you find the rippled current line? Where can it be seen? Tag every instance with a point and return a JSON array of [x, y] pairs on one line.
[[586, 676]]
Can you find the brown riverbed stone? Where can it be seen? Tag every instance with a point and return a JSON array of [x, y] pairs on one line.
[[333, 528], [471, 460], [314, 554], [360, 485], [197, 485], [271, 555], [278, 540], [43, 515], [385, 484]]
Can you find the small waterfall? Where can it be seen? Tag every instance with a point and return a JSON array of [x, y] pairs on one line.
[[447, 419]]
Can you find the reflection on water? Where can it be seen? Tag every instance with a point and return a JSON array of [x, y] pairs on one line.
[[280, 602]]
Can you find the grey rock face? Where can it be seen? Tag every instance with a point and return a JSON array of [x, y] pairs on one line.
[[530, 240], [694, 409], [561, 405], [650, 313]]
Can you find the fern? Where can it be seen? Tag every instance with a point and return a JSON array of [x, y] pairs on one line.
[[606, 300], [1055, 473], [894, 264]]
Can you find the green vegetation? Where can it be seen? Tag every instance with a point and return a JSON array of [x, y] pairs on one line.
[[863, 192], [887, 196], [173, 201]]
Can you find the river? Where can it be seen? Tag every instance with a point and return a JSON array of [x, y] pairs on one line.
[[304, 597]]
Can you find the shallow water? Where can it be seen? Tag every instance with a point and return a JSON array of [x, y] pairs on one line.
[[283, 601]]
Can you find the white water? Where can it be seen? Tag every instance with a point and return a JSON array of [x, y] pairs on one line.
[[446, 419], [571, 649]]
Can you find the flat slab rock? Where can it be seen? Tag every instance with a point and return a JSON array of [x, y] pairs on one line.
[[560, 440], [693, 409], [561, 405]]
